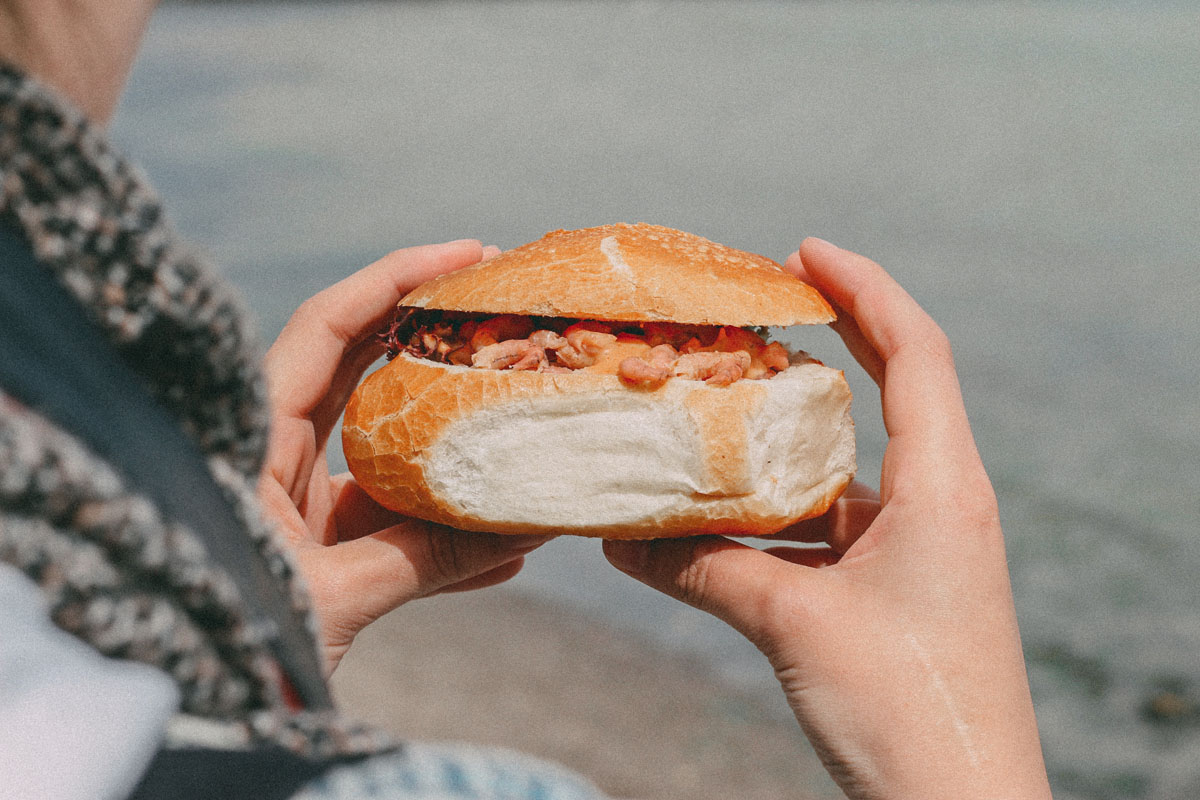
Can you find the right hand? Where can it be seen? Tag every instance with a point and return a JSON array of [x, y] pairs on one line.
[[896, 643]]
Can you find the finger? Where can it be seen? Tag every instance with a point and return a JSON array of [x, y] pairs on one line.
[[887, 315], [328, 343], [368, 577], [490, 251], [732, 581], [844, 326], [492, 577], [816, 529], [279, 506], [351, 307], [813, 557], [857, 490], [839, 527], [922, 402], [355, 513]]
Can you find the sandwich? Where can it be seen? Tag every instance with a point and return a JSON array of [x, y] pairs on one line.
[[616, 382]]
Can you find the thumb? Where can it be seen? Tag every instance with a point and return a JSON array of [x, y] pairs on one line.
[[734, 582], [353, 583]]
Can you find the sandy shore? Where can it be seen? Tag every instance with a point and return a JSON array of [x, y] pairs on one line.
[[500, 668]]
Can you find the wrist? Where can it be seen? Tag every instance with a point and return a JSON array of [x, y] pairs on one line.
[[923, 724]]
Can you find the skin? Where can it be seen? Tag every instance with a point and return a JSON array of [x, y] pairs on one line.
[[83, 48], [895, 640]]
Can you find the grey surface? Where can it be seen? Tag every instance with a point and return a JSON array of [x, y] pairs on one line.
[[1029, 171], [509, 670]]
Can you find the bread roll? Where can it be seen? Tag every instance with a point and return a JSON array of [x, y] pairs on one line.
[[583, 453], [629, 272]]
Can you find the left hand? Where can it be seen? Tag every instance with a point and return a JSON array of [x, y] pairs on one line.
[[360, 560]]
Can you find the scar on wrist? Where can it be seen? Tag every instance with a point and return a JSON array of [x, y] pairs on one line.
[[961, 728]]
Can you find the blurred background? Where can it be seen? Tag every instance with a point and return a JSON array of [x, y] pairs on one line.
[[1029, 171]]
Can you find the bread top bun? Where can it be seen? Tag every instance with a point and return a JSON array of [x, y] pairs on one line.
[[629, 273]]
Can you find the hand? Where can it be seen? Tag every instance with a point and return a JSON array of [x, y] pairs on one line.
[[896, 642], [360, 560]]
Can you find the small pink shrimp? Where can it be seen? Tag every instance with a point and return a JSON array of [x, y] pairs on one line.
[[583, 347], [534, 359], [503, 354], [547, 340], [650, 370], [715, 369]]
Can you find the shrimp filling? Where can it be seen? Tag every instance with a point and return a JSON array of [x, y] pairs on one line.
[[641, 354]]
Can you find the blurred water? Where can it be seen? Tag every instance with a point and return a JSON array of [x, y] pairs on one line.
[[1029, 171]]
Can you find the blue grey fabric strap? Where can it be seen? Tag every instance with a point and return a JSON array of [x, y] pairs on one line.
[[58, 362], [265, 773]]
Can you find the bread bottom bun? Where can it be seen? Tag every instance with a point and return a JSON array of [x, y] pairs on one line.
[[580, 453]]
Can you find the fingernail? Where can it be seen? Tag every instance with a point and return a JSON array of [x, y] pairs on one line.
[[627, 556]]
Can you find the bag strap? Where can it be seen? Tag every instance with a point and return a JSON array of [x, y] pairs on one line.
[[265, 773], [55, 360]]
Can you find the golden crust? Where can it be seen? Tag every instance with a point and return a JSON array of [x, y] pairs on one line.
[[404, 412], [629, 273]]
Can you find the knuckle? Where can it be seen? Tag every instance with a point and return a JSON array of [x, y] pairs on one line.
[[310, 309], [691, 584], [934, 343], [444, 557], [940, 347], [692, 580], [971, 510], [310, 314], [981, 512], [974, 494]]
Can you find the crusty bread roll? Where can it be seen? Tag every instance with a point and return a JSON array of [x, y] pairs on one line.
[[583, 453], [629, 272]]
